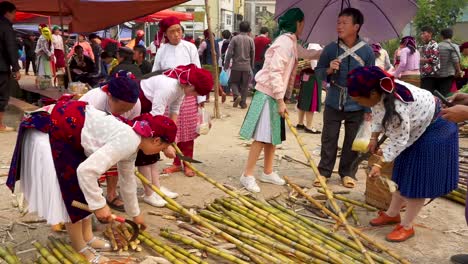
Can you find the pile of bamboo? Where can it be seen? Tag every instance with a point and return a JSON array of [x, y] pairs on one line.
[[57, 252], [119, 237], [9, 255]]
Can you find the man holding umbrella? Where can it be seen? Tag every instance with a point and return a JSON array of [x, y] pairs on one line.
[[336, 61]]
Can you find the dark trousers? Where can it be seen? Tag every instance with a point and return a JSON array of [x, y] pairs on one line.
[[239, 84], [30, 60], [5, 78], [332, 120], [443, 85]]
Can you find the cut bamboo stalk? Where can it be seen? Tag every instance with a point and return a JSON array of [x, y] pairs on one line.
[[347, 213], [58, 254], [347, 200], [336, 218], [72, 256], [198, 220], [45, 253], [160, 250], [354, 215], [252, 257], [328, 193]]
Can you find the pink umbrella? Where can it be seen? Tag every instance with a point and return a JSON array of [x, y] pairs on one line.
[[383, 19], [182, 16]]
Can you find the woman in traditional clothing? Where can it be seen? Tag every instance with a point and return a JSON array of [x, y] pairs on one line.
[[167, 91], [423, 147], [263, 122], [408, 68], [309, 101], [382, 59], [175, 52], [61, 160], [59, 49], [44, 53]]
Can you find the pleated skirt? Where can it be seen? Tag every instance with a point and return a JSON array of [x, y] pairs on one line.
[[429, 167]]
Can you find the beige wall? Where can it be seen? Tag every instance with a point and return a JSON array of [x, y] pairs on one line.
[[460, 31]]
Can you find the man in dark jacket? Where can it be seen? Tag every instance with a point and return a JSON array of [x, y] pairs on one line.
[[29, 50], [125, 57], [9, 66]]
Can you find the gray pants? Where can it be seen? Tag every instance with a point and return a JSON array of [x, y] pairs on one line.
[[239, 84], [332, 119]]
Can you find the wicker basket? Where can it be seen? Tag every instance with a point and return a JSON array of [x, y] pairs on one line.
[[377, 193], [43, 83]]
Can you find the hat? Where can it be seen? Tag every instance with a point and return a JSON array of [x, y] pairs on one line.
[[190, 74], [463, 46], [123, 86], [55, 28], [160, 126], [163, 26], [363, 80]]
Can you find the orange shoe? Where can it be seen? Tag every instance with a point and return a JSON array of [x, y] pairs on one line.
[[400, 234], [172, 169], [189, 172], [384, 219]]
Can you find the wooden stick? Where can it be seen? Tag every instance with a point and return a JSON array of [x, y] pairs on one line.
[[214, 61], [328, 193]]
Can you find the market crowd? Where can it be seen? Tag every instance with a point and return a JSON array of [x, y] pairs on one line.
[[147, 101]]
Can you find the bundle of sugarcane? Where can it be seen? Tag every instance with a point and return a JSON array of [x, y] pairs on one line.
[[9, 255], [58, 252], [119, 237], [458, 196]]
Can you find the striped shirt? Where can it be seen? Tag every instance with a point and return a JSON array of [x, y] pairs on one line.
[[449, 56]]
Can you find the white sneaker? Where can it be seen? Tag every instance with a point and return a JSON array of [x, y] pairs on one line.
[[250, 183], [154, 200], [168, 192], [273, 178]]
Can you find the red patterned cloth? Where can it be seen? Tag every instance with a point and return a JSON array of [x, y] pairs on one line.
[[187, 150], [187, 120]]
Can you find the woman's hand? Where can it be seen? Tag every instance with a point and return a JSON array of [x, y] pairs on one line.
[[372, 145], [459, 99], [456, 114], [375, 172], [139, 220], [170, 152], [281, 107], [104, 215]]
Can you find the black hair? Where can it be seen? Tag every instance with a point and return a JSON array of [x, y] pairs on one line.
[[139, 48], [264, 30], [105, 55], [447, 33], [358, 17], [390, 111], [6, 7], [93, 36], [428, 29], [226, 34], [77, 47], [126, 54], [244, 27]]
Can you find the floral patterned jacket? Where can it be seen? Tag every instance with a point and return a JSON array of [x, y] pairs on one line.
[[430, 51]]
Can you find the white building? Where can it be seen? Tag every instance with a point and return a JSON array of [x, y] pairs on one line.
[[259, 6]]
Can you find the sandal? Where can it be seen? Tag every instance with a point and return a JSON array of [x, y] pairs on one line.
[[348, 182], [172, 169], [106, 248], [97, 257], [112, 204], [317, 182], [189, 172]]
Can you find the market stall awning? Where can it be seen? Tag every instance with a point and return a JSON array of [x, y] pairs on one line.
[[165, 13], [89, 16]]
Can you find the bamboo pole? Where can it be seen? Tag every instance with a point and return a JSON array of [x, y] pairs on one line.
[[160, 250], [214, 62], [336, 218], [328, 193], [199, 220], [347, 200]]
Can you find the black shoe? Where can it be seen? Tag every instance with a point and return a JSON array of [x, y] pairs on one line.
[[299, 126], [459, 259], [237, 100], [243, 106], [311, 131]]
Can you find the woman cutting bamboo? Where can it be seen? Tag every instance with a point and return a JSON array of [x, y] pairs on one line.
[[263, 121], [423, 146], [71, 146]]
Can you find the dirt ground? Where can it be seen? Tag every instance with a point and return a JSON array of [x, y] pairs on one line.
[[440, 233]]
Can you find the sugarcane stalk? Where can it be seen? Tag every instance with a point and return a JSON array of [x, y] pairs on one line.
[[72, 256], [353, 215], [356, 231], [268, 250], [110, 235], [195, 244], [176, 254], [160, 250], [121, 240], [198, 220], [347, 200], [252, 257], [12, 252], [455, 198], [46, 253], [71, 249], [192, 229], [328, 193], [7, 256], [42, 260], [188, 254], [58, 254], [347, 213]]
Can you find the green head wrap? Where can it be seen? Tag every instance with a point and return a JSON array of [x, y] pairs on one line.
[[55, 28], [287, 23]]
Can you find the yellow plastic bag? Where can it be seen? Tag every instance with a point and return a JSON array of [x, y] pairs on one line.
[[362, 140]]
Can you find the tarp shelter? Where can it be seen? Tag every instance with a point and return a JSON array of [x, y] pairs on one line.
[[163, 14], [92, 15]]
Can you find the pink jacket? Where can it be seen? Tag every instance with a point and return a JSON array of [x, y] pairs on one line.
[[87, 50], [279, 69]]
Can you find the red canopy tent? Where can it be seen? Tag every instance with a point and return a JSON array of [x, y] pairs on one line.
[[89, 16], [165, 13]]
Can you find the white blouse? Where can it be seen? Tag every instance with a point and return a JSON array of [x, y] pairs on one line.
[[57, 40], [163, 92], [107, 141], [99, 99], [170, 56], [416, 117], [43, 47]]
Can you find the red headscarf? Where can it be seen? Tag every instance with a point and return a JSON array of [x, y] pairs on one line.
[[160, 126], [190, 74], [163, 26]]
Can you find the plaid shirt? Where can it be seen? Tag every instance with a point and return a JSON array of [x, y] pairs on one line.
[[430, 51]]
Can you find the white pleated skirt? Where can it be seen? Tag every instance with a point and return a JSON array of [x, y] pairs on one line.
[[263, 130], [39, 181]]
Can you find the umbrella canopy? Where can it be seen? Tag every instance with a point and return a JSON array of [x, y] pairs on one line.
[[165, 13], [383, 19], [89, 16]]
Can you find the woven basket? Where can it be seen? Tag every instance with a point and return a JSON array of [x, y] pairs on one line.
[[377, 193]]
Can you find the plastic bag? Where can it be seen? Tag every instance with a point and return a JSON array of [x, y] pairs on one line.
[[224, 78], [204, 120], [362, 140]]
